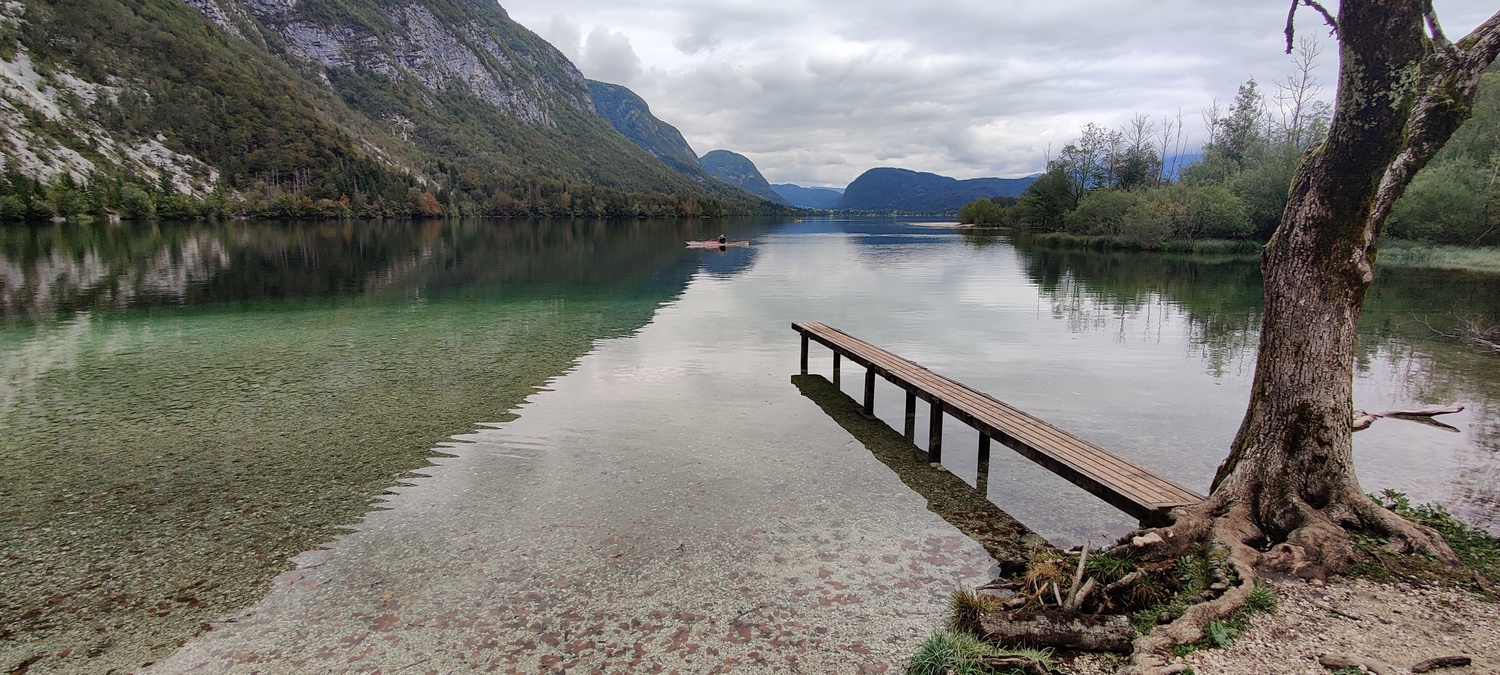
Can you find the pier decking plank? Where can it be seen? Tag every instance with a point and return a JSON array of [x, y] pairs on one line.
[[1128, 487]]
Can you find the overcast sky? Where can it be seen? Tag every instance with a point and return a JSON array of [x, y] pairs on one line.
[[815, 93]]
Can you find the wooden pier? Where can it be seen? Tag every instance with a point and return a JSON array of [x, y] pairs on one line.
[[1130, 488]]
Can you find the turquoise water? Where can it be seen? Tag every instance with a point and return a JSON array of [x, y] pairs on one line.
[[182, 407]]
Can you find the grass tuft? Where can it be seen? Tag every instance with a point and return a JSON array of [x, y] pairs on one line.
[[947, 652], [965, 608]]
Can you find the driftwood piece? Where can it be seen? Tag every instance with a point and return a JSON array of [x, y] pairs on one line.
[[1441, 662], [1124, 582], [1086, 632], [1076, 599], [1015, 662], [1363, 420], [1335, 661], [1083, 558]]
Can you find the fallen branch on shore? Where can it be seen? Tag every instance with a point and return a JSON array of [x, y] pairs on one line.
[[1441, 662], [1016, 663], [1363, 420], [1061, 628], [1332, 661]]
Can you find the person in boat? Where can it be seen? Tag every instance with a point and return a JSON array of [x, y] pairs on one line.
[[723, 240]]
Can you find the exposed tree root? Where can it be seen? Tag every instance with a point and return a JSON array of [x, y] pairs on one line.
[[1321, 545]]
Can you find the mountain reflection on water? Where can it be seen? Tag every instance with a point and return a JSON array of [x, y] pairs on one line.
[[57, 269], [1150, 355]]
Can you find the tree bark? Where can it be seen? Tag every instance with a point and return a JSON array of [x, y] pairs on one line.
[[1401, 94]]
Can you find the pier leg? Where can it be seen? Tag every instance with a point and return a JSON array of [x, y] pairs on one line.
[[870, 391], [804, 353], [982, 472], [911, 416], [935, 432]]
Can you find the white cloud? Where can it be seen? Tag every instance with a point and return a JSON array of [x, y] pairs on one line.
[[564, 35], [817, 92], [609, 57]]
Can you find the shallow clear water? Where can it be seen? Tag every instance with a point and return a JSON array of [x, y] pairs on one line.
[[677, 453]]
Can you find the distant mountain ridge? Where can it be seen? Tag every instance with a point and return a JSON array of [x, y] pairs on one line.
[[905, 191], [737, 170], [809, 197]]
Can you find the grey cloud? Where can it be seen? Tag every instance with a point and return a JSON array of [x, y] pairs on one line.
[[816, 93], [703, 37]]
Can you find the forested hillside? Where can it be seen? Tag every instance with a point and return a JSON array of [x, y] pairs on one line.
[[1112, 187], [907, 191], [735, 169], [138, 108], [630, 115]]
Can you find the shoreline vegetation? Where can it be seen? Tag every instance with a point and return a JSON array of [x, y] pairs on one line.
[[1128, 189], [114, 198], [1392, 252]]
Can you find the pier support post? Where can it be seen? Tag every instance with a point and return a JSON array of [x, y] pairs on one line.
[[870, 391], [935, 432], [982, 471], [804, 353], [911, 415]]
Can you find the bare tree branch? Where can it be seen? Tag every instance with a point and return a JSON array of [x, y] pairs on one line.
[[1291, 15], [1328, 18]]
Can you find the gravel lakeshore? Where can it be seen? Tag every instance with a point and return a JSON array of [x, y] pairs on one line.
[[1399, 623]]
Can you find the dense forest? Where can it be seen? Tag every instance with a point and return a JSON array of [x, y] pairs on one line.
[[1111, 188]]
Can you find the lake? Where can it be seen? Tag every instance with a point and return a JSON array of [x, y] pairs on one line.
[[637, 477]]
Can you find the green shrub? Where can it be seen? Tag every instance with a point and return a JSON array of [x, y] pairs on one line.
[[135, 203], [1101, 212], [1445, 204], [1149, 224], [981, 212], [1213, 212], [12, 208]]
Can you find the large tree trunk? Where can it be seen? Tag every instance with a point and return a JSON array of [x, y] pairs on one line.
[[1289, 479], [1292, 462], [1290, 472]]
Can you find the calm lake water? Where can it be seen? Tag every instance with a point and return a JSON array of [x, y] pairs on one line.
[[1145, 354], [681, 429]]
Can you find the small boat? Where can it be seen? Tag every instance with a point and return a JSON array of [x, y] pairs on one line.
[[715, 243]]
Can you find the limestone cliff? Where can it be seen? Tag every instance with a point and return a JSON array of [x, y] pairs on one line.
[[278, 107]]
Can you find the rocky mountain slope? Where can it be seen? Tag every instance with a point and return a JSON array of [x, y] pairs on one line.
[[288, 107], [737, 170]]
